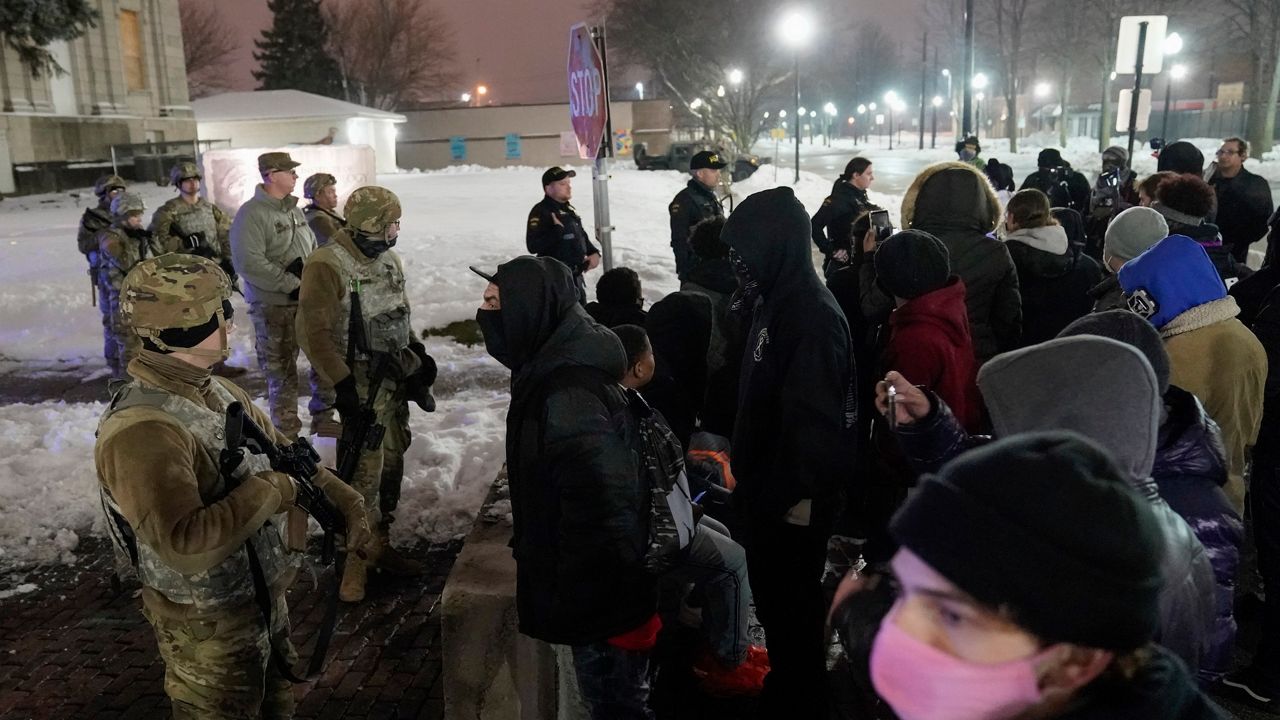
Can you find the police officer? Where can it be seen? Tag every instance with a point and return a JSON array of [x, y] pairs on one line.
[[556, 231], [96, 219], [833, 222], [322, 190], [192, 224], [120, 247], [360, 255], [172, 514], [695, 203]]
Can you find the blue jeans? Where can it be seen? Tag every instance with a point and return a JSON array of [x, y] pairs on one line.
[[718, 565], [614, 682]]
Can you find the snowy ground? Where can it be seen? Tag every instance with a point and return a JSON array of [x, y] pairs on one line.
[[452, 219]]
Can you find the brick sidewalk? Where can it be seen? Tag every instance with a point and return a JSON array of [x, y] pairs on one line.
[[73, 649]]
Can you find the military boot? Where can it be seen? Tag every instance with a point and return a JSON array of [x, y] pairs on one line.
[[353, 579], [222, 369], [392, 562]]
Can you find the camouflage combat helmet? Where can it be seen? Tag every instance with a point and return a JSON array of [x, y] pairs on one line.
[[174, 290], [371, 209], [315, 183], [106, 184], [126, 203], [183, 171]]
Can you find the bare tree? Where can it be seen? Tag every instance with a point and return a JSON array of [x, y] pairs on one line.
[[391, 51], [1254, 26], [208, 43], [1009, 24], [691, 47]]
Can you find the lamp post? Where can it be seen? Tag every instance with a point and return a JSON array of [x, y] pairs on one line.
[[979, 83], [1042, 91], [796, 29], [640, 90], [1177, 72], [830, 110], [933, 135], [890, 101]]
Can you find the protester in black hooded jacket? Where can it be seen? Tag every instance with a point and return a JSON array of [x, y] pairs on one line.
[[793, 443], [1059, 181], [579, 503], [679, 328], [953, 202]]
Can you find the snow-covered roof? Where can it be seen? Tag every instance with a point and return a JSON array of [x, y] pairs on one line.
[[281, 105]]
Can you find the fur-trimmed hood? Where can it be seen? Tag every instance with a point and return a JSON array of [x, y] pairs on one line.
[[950, 196]]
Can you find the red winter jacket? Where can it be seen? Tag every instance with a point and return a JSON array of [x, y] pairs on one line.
[[930, 344]]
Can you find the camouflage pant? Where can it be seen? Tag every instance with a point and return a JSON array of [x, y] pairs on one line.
[[119, 343], [276, 342], [221, 667], [375, 465]]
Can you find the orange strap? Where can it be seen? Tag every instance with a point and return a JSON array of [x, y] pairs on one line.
[[719, 457]]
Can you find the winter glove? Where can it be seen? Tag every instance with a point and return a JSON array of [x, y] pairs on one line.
[[348, 400], [295, 268], [360, 539], [284, 485], [418, 385]]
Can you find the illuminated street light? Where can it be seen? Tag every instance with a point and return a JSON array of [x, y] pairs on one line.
[[872, 107], [937, 101], [801, 111], [640, 90], [697, 103], [890, 98], [850, 119], [862, 109], [946, 72], [796, 29], [736, 77], [466, 97], [1043, 89], [813, 113], [766, 114], [720, 91], [482, 90], [782, 113], [1177, 72], [1172, 44], [979, 81], [829, 108]]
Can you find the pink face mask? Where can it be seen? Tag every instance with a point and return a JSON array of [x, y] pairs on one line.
[[921, 682]]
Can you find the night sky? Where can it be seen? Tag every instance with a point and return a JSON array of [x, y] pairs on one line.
[[516, 47]]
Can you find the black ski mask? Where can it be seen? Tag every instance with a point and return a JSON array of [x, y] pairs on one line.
[[495, 337], [371, 246], [744, 298]]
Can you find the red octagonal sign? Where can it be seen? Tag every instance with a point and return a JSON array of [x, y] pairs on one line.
[[588, 96]]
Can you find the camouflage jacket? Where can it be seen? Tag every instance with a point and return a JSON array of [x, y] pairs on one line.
[[177, 221], [324, 223], [118, 253]]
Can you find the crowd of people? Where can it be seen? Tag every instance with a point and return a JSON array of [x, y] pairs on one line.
[[1009, 453]]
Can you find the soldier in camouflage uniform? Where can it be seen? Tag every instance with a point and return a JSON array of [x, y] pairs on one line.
[[120, 247], [270, 240], [173, 516], [95, 220], [361, 256], [322, 190], [191, 224]]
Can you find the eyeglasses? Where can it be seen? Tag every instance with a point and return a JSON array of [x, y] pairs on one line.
[[1225, 151], [291, 172]]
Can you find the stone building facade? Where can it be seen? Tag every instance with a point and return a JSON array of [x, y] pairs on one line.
[[125, 82]]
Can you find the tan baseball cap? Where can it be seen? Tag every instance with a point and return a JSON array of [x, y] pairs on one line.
[[272, 161]]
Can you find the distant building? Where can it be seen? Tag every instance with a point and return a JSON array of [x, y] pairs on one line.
[[125, 83], [275, 118]]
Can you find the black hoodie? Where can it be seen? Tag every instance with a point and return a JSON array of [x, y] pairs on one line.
[[579, 505], [794, 436]]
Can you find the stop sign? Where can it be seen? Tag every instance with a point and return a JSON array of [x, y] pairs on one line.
[[588, 96]]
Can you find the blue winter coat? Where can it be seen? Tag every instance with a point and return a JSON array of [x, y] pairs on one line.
[[1190, 470]]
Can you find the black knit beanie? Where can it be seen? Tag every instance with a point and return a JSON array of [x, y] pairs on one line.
[[911, 263], [1130, 329], [1181, 157], [1043, 525]]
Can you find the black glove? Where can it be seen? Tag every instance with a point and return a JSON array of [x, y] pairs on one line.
[[294, 268], [293, 294], [228, 268], [418, 385], [348, 400]]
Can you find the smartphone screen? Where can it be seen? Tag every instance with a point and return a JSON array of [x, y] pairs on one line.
[[880, 221]]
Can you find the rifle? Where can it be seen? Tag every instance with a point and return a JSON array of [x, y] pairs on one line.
[[299, 461], [363, 432], [93, 287]]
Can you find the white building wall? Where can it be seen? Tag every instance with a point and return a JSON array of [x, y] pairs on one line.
[[378, 134]]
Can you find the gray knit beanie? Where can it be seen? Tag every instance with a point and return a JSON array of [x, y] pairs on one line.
[[1133, 231]]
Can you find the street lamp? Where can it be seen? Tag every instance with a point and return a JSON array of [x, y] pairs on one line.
[[796, 28], [481, 91], [1172, 44], [891, 99], [979, 81], [977, 111], [640, 90], [862, 109], [782, 113], [720, 91], [736, 77], [1043, 89], [1177, 72], [800, 111], [933, 132], [466, 97], [695, 104]]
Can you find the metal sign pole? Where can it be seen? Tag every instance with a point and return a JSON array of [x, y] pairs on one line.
[[600, 168], [1137, 87]]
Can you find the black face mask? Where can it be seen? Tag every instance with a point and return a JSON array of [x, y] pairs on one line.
[[495, 338], [744, 298], [371, 247]]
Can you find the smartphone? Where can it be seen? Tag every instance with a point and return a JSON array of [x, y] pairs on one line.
[[880, 221]]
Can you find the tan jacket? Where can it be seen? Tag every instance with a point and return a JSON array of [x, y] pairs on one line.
[[266, 237]]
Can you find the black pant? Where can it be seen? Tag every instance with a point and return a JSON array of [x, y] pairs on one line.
[[1264, 506], [784, 563], [1240, 251]]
